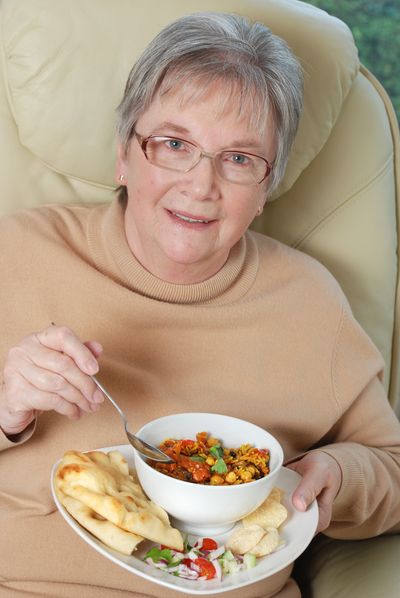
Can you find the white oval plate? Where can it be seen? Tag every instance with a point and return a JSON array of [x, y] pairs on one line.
[[296, 533]]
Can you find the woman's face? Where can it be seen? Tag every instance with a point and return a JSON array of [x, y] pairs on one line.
[[160, 201]]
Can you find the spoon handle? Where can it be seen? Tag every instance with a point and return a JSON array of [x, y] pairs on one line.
[[103, 390]]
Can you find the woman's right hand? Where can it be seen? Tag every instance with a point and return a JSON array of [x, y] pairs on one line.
[[48, 370]]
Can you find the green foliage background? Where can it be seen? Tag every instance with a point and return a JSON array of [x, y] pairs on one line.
[[376, 28]]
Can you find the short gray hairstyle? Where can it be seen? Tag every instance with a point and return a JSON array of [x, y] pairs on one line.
[[197, 50]]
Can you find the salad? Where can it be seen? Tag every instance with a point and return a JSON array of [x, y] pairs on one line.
[[204, 560]]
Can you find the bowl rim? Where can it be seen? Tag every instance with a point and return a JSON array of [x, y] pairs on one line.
[[252, 484]]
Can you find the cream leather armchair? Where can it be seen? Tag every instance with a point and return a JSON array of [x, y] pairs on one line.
[[64, 66]]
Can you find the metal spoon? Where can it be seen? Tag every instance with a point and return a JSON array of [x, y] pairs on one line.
[[140, 445]]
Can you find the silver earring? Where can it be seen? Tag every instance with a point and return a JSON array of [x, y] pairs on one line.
[[121, 178]]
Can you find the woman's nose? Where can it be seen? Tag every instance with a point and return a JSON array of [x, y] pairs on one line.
[[202, 180]]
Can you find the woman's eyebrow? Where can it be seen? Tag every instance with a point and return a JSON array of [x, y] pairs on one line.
[[173, 127], [246, 142]]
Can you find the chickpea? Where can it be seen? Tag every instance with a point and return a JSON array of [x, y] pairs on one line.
[[216, 480], [210, 460], [212, 441], [230, 477], [246, 475]]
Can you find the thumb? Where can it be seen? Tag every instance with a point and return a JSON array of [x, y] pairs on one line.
[[306, 489]]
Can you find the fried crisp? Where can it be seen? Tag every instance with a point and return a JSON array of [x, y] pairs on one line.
[[271, 513], [244, 539], [101, 488], [276, 494], [259, 534], [268, 543]]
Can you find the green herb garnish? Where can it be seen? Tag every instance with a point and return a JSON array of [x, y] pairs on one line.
[[219, 465], [162, 554], [156, 554]]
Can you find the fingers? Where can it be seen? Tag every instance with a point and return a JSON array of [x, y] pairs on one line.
[[321, 479], [94, 347], [50, 370], [62, 339], [46, 387]]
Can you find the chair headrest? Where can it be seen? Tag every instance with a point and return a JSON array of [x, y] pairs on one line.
[[66, 64]]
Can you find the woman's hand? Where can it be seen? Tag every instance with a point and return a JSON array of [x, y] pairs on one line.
[[48, 370], [321, 479]]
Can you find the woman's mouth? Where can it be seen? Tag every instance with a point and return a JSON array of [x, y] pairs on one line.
[[190, 220]]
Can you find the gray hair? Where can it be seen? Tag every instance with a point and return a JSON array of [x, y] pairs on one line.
[[190, 54]]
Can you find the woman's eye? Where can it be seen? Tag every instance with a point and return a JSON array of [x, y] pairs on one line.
[[240, 159], [175, 144]]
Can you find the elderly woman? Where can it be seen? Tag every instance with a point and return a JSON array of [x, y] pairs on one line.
[[190, 311]]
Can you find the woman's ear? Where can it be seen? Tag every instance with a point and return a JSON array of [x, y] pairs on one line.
[[120, 163]]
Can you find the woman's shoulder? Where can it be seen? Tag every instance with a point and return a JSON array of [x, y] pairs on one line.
[[47, 222], [289, 266]]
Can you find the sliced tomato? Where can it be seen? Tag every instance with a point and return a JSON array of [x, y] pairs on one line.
[[207, 569], [209, 544]]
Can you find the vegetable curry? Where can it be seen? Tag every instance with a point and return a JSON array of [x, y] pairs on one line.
[[206, 461]]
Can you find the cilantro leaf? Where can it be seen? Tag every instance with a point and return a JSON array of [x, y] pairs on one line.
[[217, 451], [197, 458], [219, 466]]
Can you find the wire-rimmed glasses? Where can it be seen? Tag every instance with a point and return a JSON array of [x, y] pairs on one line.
[[180, 155]]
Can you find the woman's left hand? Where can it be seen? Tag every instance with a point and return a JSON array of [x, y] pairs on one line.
[[321, 479]]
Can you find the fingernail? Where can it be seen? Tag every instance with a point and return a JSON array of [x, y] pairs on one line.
[[303, 502], [91, 366], [98, 396]]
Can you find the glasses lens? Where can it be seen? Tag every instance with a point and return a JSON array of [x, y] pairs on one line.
[[181, 155], [242, 168], [172, 153]]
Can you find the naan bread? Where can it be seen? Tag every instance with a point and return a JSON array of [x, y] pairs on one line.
[[104, 530], [101, 483]]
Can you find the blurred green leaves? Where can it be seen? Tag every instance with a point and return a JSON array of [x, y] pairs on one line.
[[376, 28]]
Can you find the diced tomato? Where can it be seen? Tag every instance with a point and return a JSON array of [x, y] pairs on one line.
[[207, 569], [187, 443], [209, 544], [186, 562]]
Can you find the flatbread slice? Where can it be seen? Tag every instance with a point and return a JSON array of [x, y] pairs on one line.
[[127, 515], [110, 534], [99, 481]]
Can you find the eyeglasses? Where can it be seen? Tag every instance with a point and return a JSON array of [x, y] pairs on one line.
[[180, 155]]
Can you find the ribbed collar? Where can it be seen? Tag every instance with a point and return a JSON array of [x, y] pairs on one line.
[[111, 254]]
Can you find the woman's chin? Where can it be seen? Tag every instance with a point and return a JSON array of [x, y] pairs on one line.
[[186, 266]]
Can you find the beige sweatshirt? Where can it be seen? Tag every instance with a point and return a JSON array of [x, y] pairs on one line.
[[270, 339]]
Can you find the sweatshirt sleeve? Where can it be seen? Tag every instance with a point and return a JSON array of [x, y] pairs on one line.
[[7, 442], [365, 441]]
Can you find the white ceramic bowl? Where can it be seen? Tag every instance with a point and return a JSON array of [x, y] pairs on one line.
[[198, 508]]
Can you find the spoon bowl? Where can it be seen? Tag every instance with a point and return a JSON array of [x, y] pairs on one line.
[[144, 448]]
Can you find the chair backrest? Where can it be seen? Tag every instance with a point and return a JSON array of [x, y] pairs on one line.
[[64, 68]]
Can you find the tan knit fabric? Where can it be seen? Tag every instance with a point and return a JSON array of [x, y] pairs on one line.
[[270, 338]]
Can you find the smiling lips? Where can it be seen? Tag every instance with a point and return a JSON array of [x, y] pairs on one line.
[[189, 219]]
